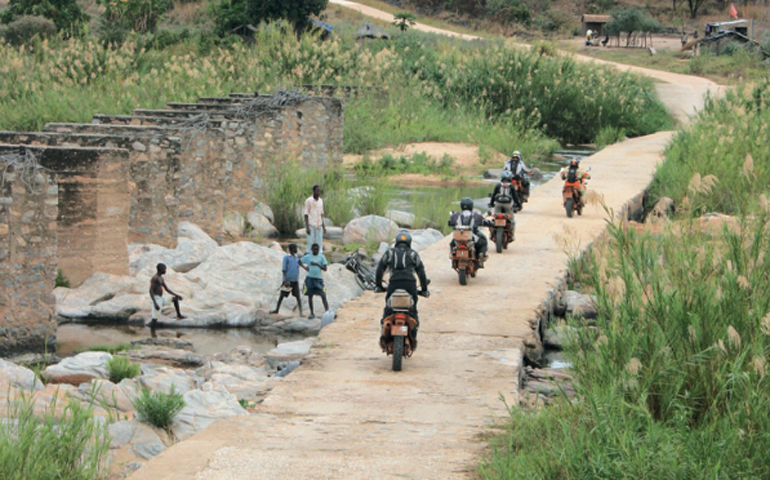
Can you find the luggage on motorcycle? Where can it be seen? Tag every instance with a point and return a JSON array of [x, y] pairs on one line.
[[572, 176], [462, 235], [400, 300]]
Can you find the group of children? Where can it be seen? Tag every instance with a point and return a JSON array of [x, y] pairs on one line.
[[314, 263]]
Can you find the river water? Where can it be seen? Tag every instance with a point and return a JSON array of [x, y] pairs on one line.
[[73, 337]]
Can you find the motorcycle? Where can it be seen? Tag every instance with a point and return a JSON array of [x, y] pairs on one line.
[[397, 327], [501, 230], [571, 196], [464, 259], [520, 187], [363, 275]]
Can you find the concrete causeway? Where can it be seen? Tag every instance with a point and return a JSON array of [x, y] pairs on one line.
[[345, 415]]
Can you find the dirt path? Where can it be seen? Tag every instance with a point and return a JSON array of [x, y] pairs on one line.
[[345, 415]]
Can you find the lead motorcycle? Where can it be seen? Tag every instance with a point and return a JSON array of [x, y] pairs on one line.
[[397, 327], [571, 195]]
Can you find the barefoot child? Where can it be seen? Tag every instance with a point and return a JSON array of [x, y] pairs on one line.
[[290, 282], [314, 263], [157, 285]]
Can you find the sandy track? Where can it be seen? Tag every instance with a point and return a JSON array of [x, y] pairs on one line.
[[345, 415]]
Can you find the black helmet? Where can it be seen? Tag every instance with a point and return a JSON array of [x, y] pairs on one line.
[[466, 204], [404, 237]]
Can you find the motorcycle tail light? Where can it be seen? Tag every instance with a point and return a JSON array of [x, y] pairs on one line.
[[463, 247], [400, 317]]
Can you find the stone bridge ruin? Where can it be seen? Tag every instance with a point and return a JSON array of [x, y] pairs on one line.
[[74, 196]]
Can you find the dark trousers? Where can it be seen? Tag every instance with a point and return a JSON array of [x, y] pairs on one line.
[[411, 288]]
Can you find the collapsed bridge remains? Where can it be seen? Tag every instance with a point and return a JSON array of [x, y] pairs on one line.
[[96, 188]]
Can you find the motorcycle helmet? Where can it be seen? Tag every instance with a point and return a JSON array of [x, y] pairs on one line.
[[574, 162], [466, 204], [507, 176], [404, 237], [516, 155]]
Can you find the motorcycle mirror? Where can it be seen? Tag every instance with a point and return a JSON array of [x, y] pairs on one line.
[[589, 169], [531, 165]]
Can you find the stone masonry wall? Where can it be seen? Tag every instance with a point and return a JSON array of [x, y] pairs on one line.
[[93, 208], [153, 177], [28, 211]]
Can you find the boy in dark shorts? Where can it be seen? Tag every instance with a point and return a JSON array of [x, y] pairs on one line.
[[290, 284], [157, 285], [314, 263]]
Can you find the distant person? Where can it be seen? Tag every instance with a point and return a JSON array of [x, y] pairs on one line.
[[315, 263], [290, 281], [314, 220], [157, 285], [589, 38], [606, 39]]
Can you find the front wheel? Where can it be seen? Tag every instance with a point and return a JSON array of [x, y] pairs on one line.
[[580, 207], [398, 352], [568, 206], [499, 240], [463, 277]]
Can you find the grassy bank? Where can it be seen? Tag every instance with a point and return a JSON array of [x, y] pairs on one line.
[[727, 143], [673, 384], [426, 88]]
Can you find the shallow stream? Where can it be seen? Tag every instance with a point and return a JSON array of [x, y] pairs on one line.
[[72, 338]]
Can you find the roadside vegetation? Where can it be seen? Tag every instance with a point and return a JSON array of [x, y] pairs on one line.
[[70, 443], [673, 383]]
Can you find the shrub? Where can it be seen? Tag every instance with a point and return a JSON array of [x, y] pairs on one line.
[[121, 367], [158, 408], [61, 280], [22, 30], [608, 136], [41, 447], [137, 15], [65, 14]]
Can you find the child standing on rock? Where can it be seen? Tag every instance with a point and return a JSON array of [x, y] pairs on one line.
[[315, 263], [290, 283]]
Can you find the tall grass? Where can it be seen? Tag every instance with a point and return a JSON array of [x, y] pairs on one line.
[[729, 141], [121, 367], [158, 408], [428, 88], [71, 445], [676, 384]]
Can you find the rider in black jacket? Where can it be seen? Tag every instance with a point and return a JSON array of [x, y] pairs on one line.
[[468, 217], [403, 263]]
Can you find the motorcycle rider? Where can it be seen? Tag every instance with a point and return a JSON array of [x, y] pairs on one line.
[[520, 171], [573, 173], [505, 199], [403, 263], [468, 217]]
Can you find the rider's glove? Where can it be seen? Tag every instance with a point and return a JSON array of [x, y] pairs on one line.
[[490, 204]]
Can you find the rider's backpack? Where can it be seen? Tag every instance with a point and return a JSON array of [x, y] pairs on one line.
[[572, 174], [402, 259], [505, 195]]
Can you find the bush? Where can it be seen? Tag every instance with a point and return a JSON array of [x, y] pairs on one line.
[[158, 408], [42, 447], [22, 30], [608, 136], [121, 367], [509, 11], [138, 15], [65, 14], [61, 280]]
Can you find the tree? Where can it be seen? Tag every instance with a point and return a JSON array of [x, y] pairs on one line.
[[694, 5], [404, 20], [234, 13], [65, 14], [632, 20]]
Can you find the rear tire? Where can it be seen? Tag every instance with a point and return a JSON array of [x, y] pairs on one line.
[[580, 208], [499, 240], [463, 277], [568, 206], [361, 283], [398, 352]]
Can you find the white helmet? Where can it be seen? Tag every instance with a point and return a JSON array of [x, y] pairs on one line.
[[516, 154]]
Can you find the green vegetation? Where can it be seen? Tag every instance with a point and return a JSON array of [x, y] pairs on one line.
[[403, 20], [158, 408], [66, 14], [230, 14], [72, 445], [24, 29], [630, 20], [61, 280], [420, 163], [608, 136], [444, 89], [111, 349], [674, 384], [726, 145], [121, 367]]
